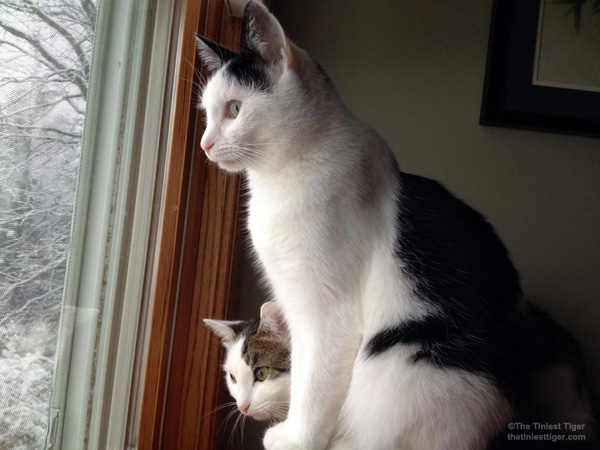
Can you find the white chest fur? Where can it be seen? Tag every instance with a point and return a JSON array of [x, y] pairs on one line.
[[290, 232]]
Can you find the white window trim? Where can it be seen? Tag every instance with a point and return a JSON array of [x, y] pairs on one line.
[[111, 227]]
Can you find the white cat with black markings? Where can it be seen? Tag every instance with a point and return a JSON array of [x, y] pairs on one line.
[[402, 303], [257, 362]]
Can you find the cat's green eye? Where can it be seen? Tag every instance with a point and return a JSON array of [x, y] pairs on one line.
[[234, 108], [261, 373]]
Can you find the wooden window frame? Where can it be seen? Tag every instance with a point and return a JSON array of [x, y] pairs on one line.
[[197, 269]]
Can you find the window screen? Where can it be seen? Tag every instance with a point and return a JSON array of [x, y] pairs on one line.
[[45, 56]]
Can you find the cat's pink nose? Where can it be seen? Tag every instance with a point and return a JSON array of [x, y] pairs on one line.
[[206, 146], [244, 407]]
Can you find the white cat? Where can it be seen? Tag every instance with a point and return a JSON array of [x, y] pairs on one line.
[[402, 303]]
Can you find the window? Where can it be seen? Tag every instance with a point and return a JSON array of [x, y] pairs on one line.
[[197, 265], [115, 237], [45, 59], [84, 118]]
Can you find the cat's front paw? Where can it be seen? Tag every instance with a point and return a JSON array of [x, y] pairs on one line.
[[276, 438]]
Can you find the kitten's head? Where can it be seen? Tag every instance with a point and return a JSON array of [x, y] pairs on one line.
[[257, 365], [261, 101]]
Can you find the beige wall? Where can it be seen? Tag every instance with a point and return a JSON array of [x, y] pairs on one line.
[[414, 69]]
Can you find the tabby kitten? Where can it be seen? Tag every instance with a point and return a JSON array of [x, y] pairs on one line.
[[257, 363]]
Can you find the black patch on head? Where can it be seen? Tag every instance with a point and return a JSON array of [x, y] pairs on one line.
[[240, 328], [262, 349], [458, 265], [249, 330], [249, 70], [223, 53]]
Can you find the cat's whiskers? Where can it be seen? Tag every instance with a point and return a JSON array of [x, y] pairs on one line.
[[243, 429], [279, 409], [197, 71], [248, 152], [248, 159], [248, 155], [257, 155], [259, 144], [219, 408], [273, 417], [228, 418], [274, 410], [193, 83], [233, 429], [244, 147]]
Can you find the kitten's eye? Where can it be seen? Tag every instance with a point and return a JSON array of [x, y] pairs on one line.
[[232, 378], [234, 108], [261, 373]]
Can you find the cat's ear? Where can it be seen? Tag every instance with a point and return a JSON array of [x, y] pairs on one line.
[[227, 330], [213, 55], [272, 321], [263, 35]]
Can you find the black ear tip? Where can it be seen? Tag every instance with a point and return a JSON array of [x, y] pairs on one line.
[[247, 11], [204, 40], [199, 39]]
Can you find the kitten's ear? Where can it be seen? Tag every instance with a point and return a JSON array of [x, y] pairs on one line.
[[227, 330], [263, 34], [272, 321], [213, 55]]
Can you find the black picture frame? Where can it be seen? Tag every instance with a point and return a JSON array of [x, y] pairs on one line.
[[510, 99]]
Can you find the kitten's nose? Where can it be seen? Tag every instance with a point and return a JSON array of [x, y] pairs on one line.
[[244, 407], [206, 146]]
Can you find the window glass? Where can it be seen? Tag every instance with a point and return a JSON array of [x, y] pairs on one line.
[[45, 57]]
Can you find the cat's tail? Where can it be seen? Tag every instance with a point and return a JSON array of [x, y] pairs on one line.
[[558, 393]]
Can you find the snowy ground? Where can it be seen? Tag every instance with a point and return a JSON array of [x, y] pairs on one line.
[[26, 371]]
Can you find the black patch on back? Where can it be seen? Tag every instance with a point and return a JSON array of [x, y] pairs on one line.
[[451, 252], [458, 265], [427, 331], [474, 350]]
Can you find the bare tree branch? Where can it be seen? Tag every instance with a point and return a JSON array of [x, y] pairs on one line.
[[89, 7], [81, 84], [64, 33], [36, 128]]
